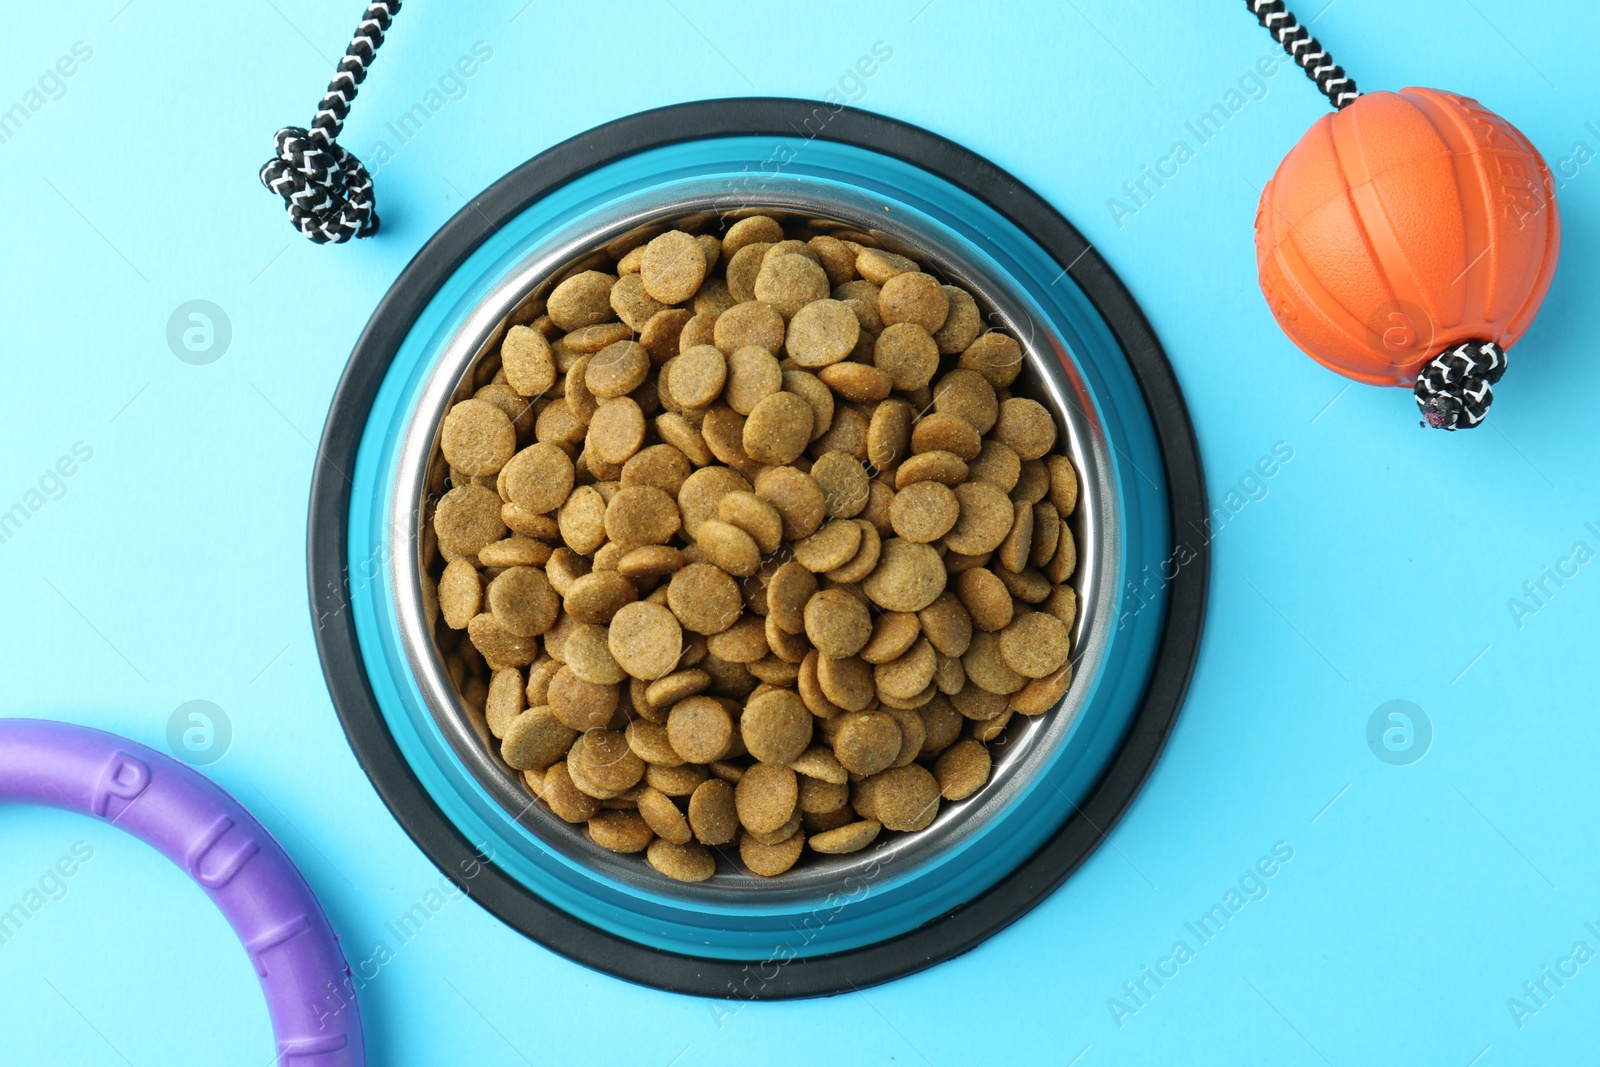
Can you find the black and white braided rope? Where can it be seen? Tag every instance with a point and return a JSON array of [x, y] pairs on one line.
[[1304, 49], [326, 190], [1455, 389]]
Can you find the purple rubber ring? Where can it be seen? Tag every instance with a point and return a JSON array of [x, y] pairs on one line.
[[198, 826]]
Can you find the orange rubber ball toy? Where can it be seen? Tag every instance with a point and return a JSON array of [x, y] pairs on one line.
[[1407, 239]]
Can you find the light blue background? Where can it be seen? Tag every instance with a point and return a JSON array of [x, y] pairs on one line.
[[1377, 567]]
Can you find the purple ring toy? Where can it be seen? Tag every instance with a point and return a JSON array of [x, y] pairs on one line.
[[198, 826]]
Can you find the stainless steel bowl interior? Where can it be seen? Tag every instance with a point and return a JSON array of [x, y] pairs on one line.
[[1026, 746]]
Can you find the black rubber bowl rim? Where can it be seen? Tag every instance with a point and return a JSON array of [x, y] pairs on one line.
[[514, 904]]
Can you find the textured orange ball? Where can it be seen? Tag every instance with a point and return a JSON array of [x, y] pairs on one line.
[[1403, 225]]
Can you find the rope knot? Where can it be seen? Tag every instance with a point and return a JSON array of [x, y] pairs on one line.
[[1455, 389], [326, 190]]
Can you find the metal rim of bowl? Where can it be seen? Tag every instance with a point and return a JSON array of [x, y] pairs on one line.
[[446, 846]]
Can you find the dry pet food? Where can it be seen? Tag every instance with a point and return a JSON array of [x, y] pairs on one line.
[[745, 548]]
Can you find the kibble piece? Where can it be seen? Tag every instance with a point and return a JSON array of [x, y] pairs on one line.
[[700, 729], [878, 266], [961, 325], [527, 523], [744, 642], [499, 646], [641, 515], [713, 298], [962, 770], [866, 741], [810, 388], [633, 305], [678, 781], [904, 679], [662, 466], [821, 333], [852, 837], [753, 374], [702, 493], [893, 634], [579, 704], [832, 546], [592, 339], [924, 511], [662, 816], [461, 593], [566, 800], [796, 498], [844, 483], [820, 764], [1033, 481], [1065, 561], [994, 355], [682, 863], [789, 282], [845, 682], [514, 552], [1013, 551], [728, 547], [698, 376], [528, 363], [1026, 426], [766, 797], [947, 623], [1042, 694], [620, 831], [905, 798], [837, 623], [712, 814], [597, 596], [776, 726], [848, 433], [818, 797], [967, 395], [987, 668], [907, 354], [986, 517], [704, 598], [617, 430], [673, 266], [522, 601], [582, 300], [1046, 534], [755, 517], [778, 429], [747, 324], [770, 860], [908, 576], [1063, 604], [645, 639], [1063, 484], [467, 518], [679, 685], [1035, 644], [889, 433], [603, 760], [789, 589], [914, 297], [857, 381], [649, 742], [617, 369], [535, 739]]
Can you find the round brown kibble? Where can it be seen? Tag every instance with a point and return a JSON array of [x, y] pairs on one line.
[[673, 267], [867, 741], [597, 596], [755, 517], [633, 305], [620, 831], [832, 546], [1026, 426], [753, 374], [924, 511], [581, 705], [995, 356], [535, 739], [663, 817], [946, 433], [961, 325], [756, 229], [703, 491], [728, 547], [852, 837], [809, 387], [987, 668], [907, 354], [527, 360], [565, 799], [744, 642], [789, 282], [905, 798], [907, 677], [1035, 644], [467, 518], [878, 266], [641, 515], [1014, 550], [996, 464], [617, 369], [778, 429], [743, 266], [712, 814], [604, 760], [617, 430], [748, 324], [837, 623], [776, 726], [770, 860], [962, 770], [908, 576], [1063, 484], [682, 863], [914, 297], [822, 333], [1042, 694], [857, 381], [947, 623], [986, 517], [844, 483], [943, 467], [521, 601], [649, 742], [461, 593], [662, 466], [645, 639], [698, 376], [844, 682], [700, 729], [704, 598], [766, 796], [796, 498], [789, 589], [582, 300], [968, 396], [893, 633], [986, 598]]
